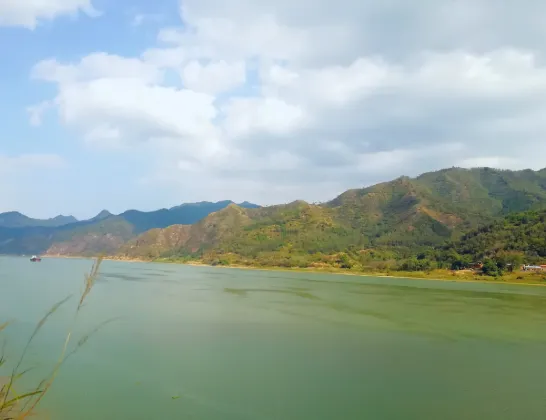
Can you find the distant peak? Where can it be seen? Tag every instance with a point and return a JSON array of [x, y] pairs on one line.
[[220, 204], [102, 215], [298, 203], [62, 217], [248, 205], [200, 204], [224, 203], [12, 213]]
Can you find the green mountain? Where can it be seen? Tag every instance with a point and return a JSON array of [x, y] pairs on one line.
[[389, 220], [14, 219], [104, 233], [386, 222], [439, 205]]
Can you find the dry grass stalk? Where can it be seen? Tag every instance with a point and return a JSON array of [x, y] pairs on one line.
[[20, 407]]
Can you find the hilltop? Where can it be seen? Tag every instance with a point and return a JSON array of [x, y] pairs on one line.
[[439, 205], [14, 219]]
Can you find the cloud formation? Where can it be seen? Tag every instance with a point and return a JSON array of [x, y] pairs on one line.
[[254, 100], [28, 13]]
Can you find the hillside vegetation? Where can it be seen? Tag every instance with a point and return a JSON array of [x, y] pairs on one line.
[[518, 238], [504, 245], [409, 224]]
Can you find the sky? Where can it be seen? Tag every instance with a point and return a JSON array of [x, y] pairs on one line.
[[119, 104]]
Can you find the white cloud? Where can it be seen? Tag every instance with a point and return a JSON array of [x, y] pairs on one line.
[[117, 100], [492, 162], [137, 110], [219, 38], [215, 77], [28, 13], [97, 66], [305, 98], [246, 116]]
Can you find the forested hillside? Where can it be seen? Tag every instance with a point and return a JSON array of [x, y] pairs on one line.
[[410, 224]]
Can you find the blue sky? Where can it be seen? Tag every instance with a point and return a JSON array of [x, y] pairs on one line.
[[84, 177], [139, 104]]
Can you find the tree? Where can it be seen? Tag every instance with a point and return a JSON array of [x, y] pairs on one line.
[[509, 259], [461, 262], [490, 268]]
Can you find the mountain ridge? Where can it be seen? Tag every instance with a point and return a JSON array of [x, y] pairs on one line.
[[15, 219], [104, 233], [425, 211], [397, 216]]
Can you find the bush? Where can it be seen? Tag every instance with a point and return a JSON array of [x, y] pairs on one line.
[[344, 261], [416, 264]]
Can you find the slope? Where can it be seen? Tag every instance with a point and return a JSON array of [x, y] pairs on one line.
[[518, 234], [438, 206], [405, 214], [502, 245]]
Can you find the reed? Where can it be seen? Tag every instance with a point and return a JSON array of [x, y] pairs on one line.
[[14, 406]]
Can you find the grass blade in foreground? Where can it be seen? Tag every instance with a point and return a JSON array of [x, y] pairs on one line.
[[9, 400]]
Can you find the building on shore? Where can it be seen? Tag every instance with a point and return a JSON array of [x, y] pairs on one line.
[[534, 267]]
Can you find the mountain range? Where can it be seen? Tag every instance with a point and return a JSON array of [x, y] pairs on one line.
[[14, 219], [403, 215], [391, 218], [104, 233]]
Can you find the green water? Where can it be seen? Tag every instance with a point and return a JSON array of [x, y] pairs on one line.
[[208, 343]]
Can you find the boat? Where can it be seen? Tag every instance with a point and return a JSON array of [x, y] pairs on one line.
[[35, 258]]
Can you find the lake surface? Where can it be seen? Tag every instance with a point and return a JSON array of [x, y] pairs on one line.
[[212, 343]]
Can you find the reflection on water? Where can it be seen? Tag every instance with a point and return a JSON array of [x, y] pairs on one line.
[[212, 343]]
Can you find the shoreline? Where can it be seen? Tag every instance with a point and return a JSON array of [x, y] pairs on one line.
[[449, 275], [404, 275]]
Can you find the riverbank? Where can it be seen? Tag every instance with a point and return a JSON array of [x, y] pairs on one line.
[[435, 275], [464, 276]]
